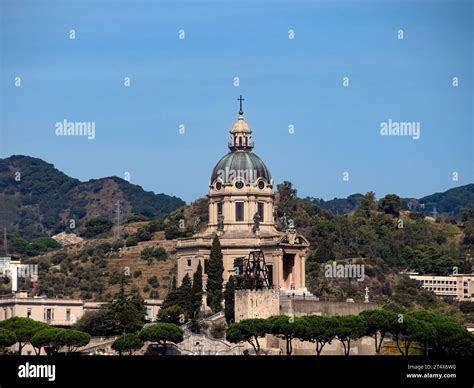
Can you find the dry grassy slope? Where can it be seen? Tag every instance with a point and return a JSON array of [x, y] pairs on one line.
[[101, 201], [130, 257]]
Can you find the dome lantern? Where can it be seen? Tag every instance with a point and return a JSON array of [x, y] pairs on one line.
[[240, 134]]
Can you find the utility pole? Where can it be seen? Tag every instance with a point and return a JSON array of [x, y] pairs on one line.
[[5, 242], [118, 220]]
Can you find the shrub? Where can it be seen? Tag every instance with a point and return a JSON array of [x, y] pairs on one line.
[[153, 281], [150, 253], [131, 241], [97, 225], [218, 330], [143, 234]]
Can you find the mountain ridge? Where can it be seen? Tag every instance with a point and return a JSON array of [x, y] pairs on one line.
[[449, 202], [37, 198]]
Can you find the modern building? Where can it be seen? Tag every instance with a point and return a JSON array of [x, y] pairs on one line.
[[242, 215], [460, 286]]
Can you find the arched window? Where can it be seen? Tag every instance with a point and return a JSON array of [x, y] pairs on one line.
[[240, 141]]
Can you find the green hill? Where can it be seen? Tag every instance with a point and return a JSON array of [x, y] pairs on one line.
[[36, 199], [449, 203]]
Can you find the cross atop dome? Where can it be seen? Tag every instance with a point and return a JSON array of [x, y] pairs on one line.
[[240, 99], [241, 134]]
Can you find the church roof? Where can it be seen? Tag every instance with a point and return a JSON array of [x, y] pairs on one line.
[[240, 126], [242, 164]]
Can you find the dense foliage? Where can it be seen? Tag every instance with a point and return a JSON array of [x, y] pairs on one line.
[[433, 333], [128, 344], [379, 235], [162, 333], [23, 328]]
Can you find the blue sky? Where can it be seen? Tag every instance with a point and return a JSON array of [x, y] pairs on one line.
[[285, 82]]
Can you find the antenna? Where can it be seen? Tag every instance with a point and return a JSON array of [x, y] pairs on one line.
[[5, 241], [118, 220]]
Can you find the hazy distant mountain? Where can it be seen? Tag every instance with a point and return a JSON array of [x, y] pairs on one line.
[[338, 205], [451, 202], [38, 199]]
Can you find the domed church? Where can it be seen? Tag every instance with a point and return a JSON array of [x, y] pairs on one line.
[[242, 214]]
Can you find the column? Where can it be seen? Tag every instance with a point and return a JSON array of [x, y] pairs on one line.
[[296, 272], [303, 270]]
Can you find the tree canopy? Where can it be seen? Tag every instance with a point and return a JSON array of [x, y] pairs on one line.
[[128, 344], [24, 329], [162, 333], [248, 330]]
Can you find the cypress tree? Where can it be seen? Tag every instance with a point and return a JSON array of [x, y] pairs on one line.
[[186, 295], [173, 284], [229, 298], [197, 290], [215, 277], [181, 296]]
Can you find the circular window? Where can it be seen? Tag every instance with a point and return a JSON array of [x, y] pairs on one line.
[[239, 184], [261, 185], [218, 185]]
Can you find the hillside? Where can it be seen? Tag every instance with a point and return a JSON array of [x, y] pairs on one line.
[[359, 229], [94, 268], [36, 199], [449, 203]]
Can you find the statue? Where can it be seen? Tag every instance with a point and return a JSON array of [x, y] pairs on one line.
[[197, 221], [284, 221], [220, 222], [366, 300], [292, 236], [256, 222]]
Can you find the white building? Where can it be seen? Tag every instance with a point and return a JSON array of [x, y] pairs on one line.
[[58, 312], [460, 286]]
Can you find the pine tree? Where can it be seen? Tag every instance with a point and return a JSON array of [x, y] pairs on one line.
[[181, 296], [197, 290], [215, 277], [229, 298], [125, 314]]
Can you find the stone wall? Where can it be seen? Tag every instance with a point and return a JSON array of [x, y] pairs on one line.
[[256, 304], [299, 307]]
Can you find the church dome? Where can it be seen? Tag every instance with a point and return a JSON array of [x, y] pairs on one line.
[[240, 165]]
